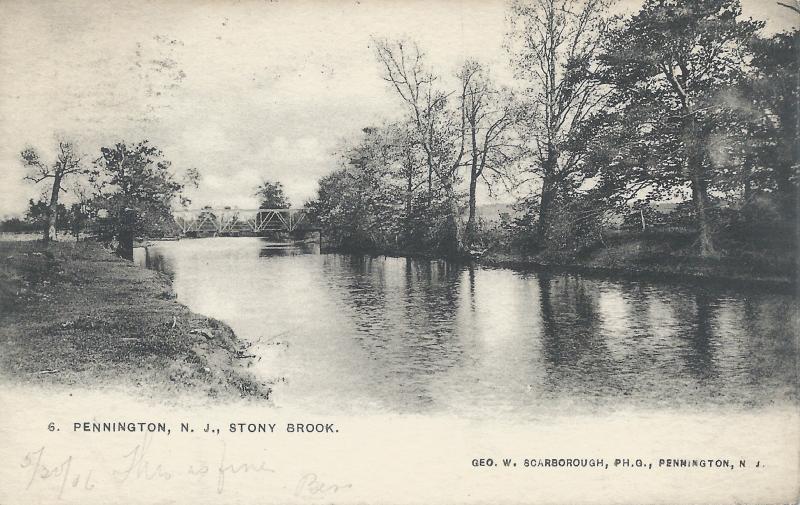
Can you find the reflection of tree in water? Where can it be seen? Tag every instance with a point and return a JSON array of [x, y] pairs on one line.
[[702, 341], [431, 301], [471, 277], [766, 362], [575, 354], [287, 249], [770, 343], [698, 335], [405, 316], [157, 261]]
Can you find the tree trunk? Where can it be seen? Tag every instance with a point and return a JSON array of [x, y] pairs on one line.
[[430, 179], [694, 166], [700, 202], [453, 245], [429, 163], [747, 174], [545, 204], [549, 190], [786, 190], [474, 173], [409, 172], [52, 211], [127, 218], [469, 238], [409, 205]]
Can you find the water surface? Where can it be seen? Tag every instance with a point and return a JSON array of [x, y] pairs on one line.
[[340, 333]]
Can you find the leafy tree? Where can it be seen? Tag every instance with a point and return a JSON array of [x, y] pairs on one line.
[[409, 170], [363, 205], [77, 219], [38, 214], [66, 165], [138, 177], [554, 45], [337, 209], [668, 65], [772, 111], [272, 196]]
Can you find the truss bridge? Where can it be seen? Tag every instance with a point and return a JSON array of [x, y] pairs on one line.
[[230, 221]]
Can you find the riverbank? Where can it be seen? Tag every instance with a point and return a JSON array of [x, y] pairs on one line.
[[74, 314], [656, 255], [663, 255]]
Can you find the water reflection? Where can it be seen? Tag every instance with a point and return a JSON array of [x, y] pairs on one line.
[[151, 258], [699, 352], [573, 345], [360, 332], [404, 315], [268, 249]]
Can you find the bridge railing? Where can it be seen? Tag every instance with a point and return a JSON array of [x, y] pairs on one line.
[[227, 220]]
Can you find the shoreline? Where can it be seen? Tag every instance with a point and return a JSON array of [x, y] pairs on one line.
[[637, 272], [75, 314], [667, 271]]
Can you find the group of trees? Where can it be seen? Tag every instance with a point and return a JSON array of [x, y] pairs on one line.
[[678, 73], [271, 196], [36, 218], [684, 100], [400, 184], [133, 177], [66, 165]]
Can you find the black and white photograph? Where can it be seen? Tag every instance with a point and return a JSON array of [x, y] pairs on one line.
[[399, 252]]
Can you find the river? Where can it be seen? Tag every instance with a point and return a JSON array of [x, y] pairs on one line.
[[359, 334]]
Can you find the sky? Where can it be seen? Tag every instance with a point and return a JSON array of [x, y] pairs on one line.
[[242, 90]]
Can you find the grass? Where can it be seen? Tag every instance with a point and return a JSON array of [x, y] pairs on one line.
[[673, 253], [74, 314]]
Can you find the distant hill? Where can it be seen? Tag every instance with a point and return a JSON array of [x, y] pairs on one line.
[[492, 211], [665, 207]]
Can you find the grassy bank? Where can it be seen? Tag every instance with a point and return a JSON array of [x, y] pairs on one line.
[[669, 254], [764, 258], [74, 314]]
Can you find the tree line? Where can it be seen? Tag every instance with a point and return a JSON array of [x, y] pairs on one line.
[[684, 101], [126, 178], [133, 177]]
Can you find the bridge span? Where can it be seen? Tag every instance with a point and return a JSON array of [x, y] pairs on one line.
[[227, 220]]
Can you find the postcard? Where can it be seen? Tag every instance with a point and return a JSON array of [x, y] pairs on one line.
[[400, 252]]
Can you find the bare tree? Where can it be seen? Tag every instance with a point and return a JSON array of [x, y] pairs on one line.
[[554, 44], [792, 7], [489, 118], [67, 163], [405, 70], [438, 132]]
